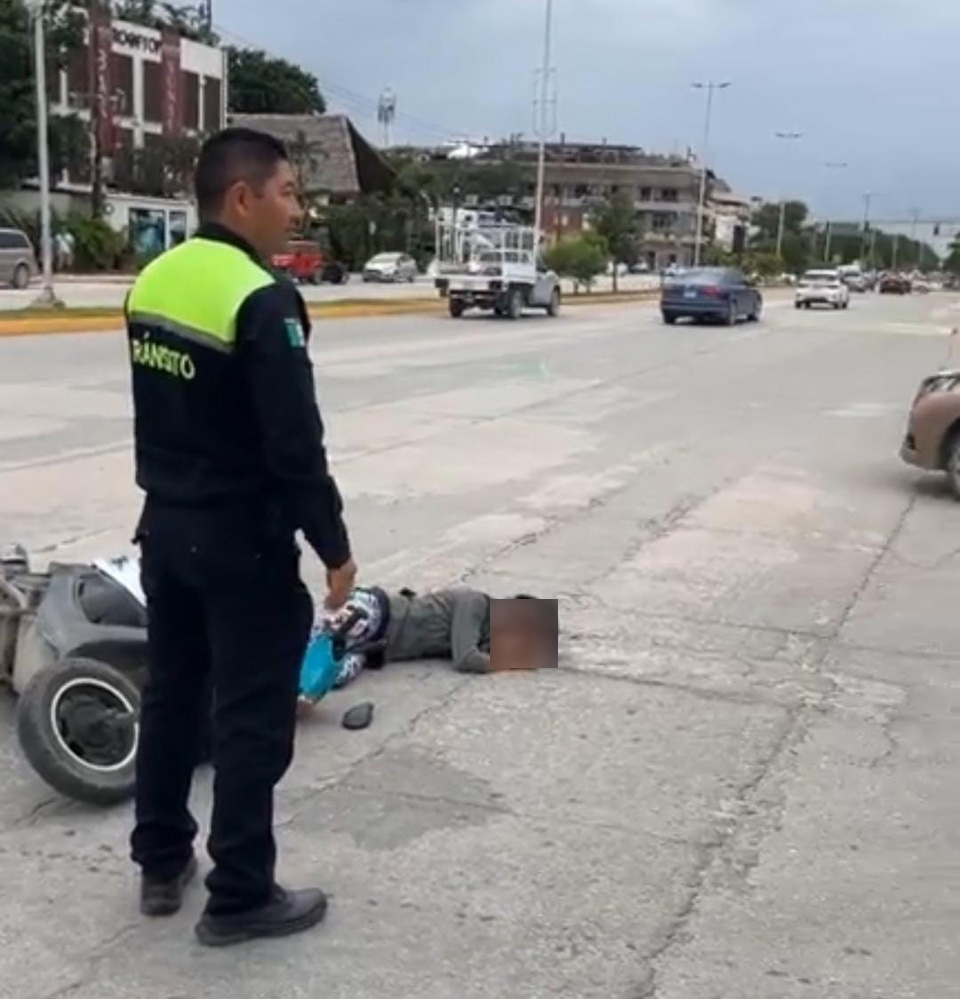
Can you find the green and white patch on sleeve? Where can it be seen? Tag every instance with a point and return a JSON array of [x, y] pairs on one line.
[[295, 333]]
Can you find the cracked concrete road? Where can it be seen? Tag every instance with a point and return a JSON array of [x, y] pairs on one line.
[[741, 782]]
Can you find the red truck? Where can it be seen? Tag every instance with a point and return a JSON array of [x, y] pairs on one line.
[[306, 263]]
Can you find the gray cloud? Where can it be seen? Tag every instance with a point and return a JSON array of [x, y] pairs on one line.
[[869, 82]]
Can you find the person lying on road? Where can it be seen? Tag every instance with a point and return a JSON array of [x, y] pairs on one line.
[[376, 627]]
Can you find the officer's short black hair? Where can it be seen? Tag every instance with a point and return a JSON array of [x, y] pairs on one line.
[[229, 156]]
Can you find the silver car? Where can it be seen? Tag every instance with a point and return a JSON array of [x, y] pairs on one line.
[[390, 267], [18, 263]]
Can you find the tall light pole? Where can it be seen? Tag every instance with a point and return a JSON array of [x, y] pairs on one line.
[[830, 165], [543, 126], [710, 86], [47, 297], [867, 195]]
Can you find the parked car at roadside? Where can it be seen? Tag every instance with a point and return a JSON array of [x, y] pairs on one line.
[[18, 262], [390, 267], [823, 287], [932, 440], [722, 294]]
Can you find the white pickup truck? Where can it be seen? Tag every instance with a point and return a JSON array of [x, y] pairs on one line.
[[495, 268]]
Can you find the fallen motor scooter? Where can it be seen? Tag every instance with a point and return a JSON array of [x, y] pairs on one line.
[[73, 647]]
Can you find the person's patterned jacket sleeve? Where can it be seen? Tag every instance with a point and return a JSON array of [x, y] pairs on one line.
[[272, 333]]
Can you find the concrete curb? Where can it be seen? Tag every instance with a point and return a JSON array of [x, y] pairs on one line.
[[111, 319]]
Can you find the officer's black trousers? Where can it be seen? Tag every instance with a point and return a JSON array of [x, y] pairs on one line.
[[227, 610]]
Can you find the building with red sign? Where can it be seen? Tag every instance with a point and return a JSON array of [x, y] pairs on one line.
[[138, 87]]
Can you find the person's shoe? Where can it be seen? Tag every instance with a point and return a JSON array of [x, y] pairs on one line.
[[164, 898], [288, 912]]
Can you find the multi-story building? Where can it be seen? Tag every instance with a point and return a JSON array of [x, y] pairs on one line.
[[580, 177], [138, 88]]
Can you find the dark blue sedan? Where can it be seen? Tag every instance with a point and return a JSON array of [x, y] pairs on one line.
[[721, 294]]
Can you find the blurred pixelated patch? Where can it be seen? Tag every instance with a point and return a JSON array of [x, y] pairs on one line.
[[524, 634]]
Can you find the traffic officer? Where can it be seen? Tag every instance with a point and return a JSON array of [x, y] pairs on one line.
[[230, 455]]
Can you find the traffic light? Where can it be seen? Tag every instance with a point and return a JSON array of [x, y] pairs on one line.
[[936, 229]]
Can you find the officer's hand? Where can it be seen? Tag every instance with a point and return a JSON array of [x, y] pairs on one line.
[[340, 583]]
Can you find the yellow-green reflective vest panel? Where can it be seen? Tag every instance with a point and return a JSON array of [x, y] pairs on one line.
[[196, 289]]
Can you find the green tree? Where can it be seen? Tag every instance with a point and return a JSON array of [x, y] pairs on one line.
[[581, 259], [762, 264], [18, 106], [261, 84], [188, 20], [616, 223], [766, 219], [951, 262]]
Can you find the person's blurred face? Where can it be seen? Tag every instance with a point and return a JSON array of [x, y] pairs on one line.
[[267, 217], [520, 636]]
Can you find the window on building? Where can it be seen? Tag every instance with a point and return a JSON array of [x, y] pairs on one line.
[[663, 221], [669, 194], [190, 95], [646, 194], [148, 232], [123, 160], [122, 73], [78, 78], [212, 121], [152, 92], [581, 191], [53, 81]]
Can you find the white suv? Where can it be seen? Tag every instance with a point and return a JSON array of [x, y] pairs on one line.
[[822, 287]]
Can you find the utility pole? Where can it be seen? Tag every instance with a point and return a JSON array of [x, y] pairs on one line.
[[47, 297], [710, 86], [787, 137], [896, 248], [831, 165], [544, 128], [866, 224]]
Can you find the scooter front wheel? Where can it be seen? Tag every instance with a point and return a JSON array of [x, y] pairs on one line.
[[78, 722]]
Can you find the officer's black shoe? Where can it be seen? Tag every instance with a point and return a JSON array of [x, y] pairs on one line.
[[288, 912], [164, 898]]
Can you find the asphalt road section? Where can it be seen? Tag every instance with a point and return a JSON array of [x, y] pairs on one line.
[[740, 783]]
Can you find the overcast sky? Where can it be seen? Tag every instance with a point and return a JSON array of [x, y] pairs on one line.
[[869, 82]]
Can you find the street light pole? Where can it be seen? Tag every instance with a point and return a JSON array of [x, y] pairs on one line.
[[543, 127], [831, 165], [47, 297], [710, 86], [788, 137]]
